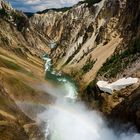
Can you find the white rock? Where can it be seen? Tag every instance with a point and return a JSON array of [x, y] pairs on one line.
[[118, 85]]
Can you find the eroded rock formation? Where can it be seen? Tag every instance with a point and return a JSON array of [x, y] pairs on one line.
[[96, 42]]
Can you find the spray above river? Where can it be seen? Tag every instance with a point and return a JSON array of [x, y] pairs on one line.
[[71, 120]]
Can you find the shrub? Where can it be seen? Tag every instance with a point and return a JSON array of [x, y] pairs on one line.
[[91, 2], [118, 62], [88, 66]]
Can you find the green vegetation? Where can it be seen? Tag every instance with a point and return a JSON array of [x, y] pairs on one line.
[[77, 74], [64, 9], [13, 66], [9, 64], [14, 15], [2, 12], [91, 92], [28, 14], [118, 62], [90, 2], [88, 66], [5, 40], [19, 84], [20, 19]]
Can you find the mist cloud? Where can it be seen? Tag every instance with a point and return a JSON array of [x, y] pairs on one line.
[[68, 119], [73, 121]]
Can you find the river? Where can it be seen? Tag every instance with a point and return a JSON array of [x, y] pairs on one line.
[[69, 119]]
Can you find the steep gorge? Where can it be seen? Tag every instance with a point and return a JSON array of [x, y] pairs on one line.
[[93, 42], [85, 36], [21, 69], [88, 42]]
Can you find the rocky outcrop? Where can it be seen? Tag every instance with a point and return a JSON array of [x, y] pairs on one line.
[[125, 61], [13, 122], [89, 42], [96, 42], [90, 36], [86, 36], [18, 35], [21, 69], [21, 49], [129, 108], [122, 105]]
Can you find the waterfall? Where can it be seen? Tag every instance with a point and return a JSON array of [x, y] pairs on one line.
[[69, 119]]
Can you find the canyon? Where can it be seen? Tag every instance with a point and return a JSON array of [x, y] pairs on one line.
[[81, 45]]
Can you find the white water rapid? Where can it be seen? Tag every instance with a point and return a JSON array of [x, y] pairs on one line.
[[68, 119]]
